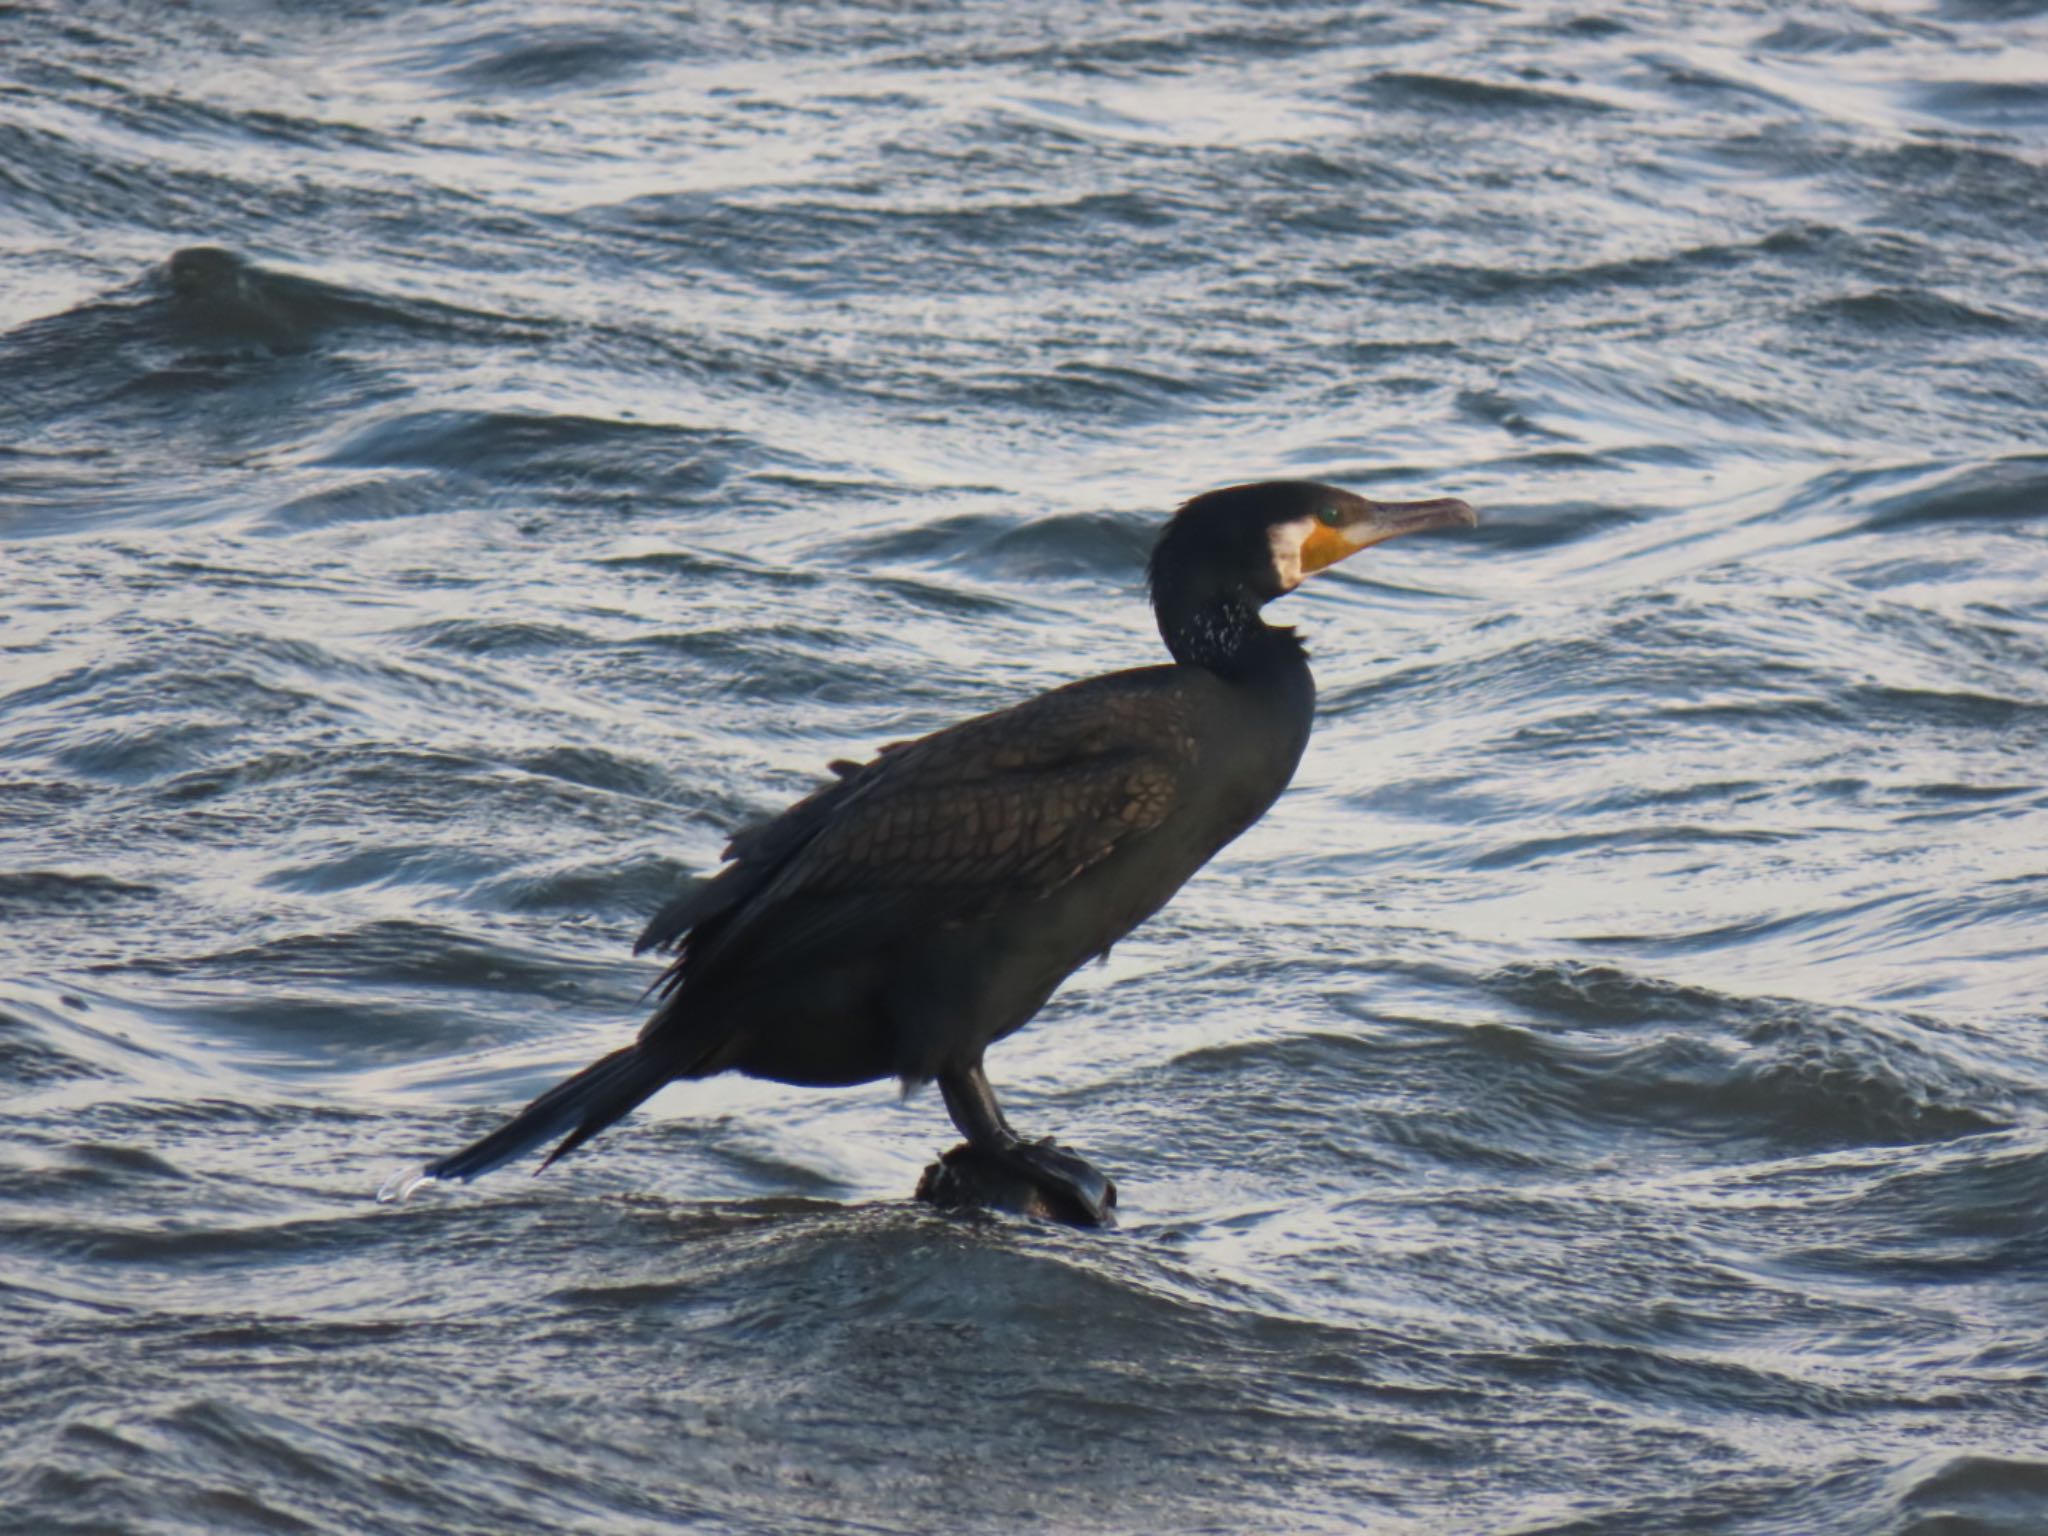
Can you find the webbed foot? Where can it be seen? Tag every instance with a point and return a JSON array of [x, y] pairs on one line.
[[1063, 1173]]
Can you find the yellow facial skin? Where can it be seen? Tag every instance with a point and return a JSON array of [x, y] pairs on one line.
[[1345, 527]]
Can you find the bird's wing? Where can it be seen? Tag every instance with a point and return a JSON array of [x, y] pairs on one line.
[[1001, 809]]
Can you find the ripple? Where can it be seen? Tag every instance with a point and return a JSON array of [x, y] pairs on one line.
[[1429, 93], [30, 893], [1058, 547], [1893, 310], [2006, 490], [1987, 1493], [539, 59], [554, 449]]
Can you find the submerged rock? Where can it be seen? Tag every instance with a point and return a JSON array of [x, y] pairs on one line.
[[968, 1179]]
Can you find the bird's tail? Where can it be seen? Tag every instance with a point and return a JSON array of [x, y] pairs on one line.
[[576, 1109]]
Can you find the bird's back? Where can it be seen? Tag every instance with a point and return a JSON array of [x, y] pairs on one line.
[[929, 899]]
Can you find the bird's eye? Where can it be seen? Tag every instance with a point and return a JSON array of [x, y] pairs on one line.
[[1329, 517]]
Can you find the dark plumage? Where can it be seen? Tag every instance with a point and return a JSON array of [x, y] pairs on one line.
[[926, 903]]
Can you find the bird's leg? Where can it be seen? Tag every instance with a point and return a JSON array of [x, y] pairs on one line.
[[972, 1104]]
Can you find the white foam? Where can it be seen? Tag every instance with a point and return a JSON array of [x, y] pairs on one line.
[[401, 1184]]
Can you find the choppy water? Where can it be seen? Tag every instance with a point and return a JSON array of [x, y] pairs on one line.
[[1609, 1094]]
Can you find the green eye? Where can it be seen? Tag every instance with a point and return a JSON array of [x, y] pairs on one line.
[[1329, 517]]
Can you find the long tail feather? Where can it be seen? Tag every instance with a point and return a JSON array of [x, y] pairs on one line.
[[576, 1110]]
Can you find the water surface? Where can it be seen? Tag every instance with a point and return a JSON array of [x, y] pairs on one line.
[[1605, 1096]]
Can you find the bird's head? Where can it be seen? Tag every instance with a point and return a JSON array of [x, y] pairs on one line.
[[1259, 541]]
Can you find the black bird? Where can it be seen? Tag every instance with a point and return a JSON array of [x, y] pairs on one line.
[[900, 920]]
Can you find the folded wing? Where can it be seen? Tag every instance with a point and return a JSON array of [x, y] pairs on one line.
[[995, 812]]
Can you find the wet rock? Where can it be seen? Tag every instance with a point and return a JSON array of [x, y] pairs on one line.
[[967, 1179]]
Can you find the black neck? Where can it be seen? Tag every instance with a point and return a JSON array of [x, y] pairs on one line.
[[1222, 632]]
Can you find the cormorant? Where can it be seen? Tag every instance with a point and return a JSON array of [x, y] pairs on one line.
[[903, 918]]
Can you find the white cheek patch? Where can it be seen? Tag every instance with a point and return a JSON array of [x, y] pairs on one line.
[[1286, 540]]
